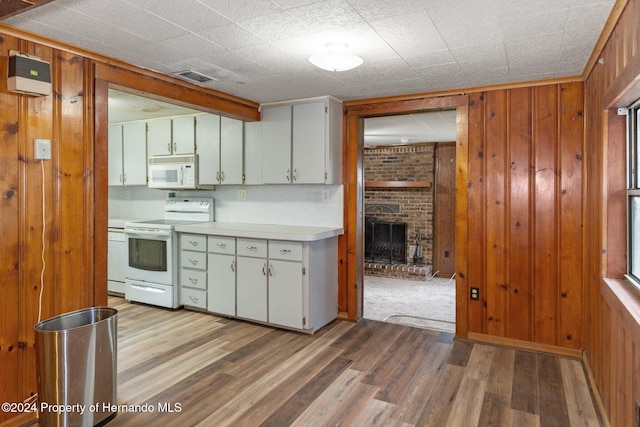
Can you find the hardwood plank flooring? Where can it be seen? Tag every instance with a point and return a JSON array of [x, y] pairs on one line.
[[218, 371]]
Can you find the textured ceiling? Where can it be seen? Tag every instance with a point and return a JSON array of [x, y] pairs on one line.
[[258, 49]]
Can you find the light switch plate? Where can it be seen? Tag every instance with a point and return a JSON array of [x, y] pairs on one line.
[[42, 148]]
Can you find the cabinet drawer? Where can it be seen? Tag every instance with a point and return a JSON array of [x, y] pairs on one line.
[[252, 247], [281, 249], [193, 278], [193, 297], [193, 242], [192, 259], [222, 245]]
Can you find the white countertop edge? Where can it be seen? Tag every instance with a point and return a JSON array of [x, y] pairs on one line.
[[118, 222], [262, 231]]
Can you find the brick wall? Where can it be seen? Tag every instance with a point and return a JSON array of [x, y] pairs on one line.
[[407, 163]]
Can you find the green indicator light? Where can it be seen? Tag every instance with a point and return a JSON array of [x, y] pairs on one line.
[[33, 72]]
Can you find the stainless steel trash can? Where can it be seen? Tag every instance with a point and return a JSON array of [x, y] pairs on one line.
[[76, 356]]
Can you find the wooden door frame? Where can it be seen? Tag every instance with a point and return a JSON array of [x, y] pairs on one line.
[[351, 248], [148, 84], [437, 235]]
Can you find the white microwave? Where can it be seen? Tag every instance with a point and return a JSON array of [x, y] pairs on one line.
[[178, 172]]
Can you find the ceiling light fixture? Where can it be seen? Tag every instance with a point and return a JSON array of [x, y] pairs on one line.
[[336, 59]]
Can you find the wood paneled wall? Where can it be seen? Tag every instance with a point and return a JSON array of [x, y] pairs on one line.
[[612, 305], [50, 198], [519, 237], [525, 199], [62, 203]]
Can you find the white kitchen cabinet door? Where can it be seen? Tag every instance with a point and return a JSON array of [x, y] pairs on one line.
[[276, 144], [159, 137], [221, 284], [231, 151], [134, 147], [308, 142], [183, 135], [251, 288], [116, 261], [253, 153], [208, 143], [116, 173], [285, 293], [127, 154]]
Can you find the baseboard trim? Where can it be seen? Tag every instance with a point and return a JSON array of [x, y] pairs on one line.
[[525, 345], [594, 390]]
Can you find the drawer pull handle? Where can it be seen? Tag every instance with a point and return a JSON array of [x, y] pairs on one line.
[[193, 279], [222, 245], [264, 269], [252, 248], [285, 251], [194, 242], [233, 266], [270, 270], [194, 299], [193, 261]]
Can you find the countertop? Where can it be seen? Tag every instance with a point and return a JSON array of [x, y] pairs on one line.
[[262, 231], [115, 222]]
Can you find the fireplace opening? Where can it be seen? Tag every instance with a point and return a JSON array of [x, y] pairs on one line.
[[385, 242]]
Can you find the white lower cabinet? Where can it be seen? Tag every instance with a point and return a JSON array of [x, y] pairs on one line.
[[251, 288], [285, 294], [291, 284], [221, 285], [193, 271], [221, 297]]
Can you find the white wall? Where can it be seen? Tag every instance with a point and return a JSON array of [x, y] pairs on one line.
[[265, 204]]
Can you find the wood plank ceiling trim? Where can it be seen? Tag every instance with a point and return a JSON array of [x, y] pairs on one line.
[[13, 7]]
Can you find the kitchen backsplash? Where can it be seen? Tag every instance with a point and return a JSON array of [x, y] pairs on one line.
[[264, 204]]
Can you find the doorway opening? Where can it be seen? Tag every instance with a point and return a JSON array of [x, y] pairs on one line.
[[409, 219]]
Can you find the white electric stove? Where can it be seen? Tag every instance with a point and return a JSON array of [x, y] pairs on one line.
[[152, 251]]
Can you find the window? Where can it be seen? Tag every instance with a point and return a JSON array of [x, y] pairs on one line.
[[633, 193]]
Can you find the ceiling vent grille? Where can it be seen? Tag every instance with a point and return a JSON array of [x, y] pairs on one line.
[[194, 76]]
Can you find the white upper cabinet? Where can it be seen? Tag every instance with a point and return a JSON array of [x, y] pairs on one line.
[[208, 141], [183, 135], [171, 136], [309, 143], [253, 153], [116, 171], [219, 148], [127, 154], [302, 142], [231, 151], [159, 137], [276, 144]]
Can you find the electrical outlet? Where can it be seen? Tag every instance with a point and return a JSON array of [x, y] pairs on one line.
[[42, 148], [127, 195], [325, 195], [242, 194], [475, 294]]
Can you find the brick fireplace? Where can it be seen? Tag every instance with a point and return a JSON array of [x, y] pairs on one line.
[[399, 192]]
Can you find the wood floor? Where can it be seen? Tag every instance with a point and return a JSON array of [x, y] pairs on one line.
[[214, 371]]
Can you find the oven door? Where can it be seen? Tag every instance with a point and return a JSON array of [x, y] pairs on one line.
[[150, 255]]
